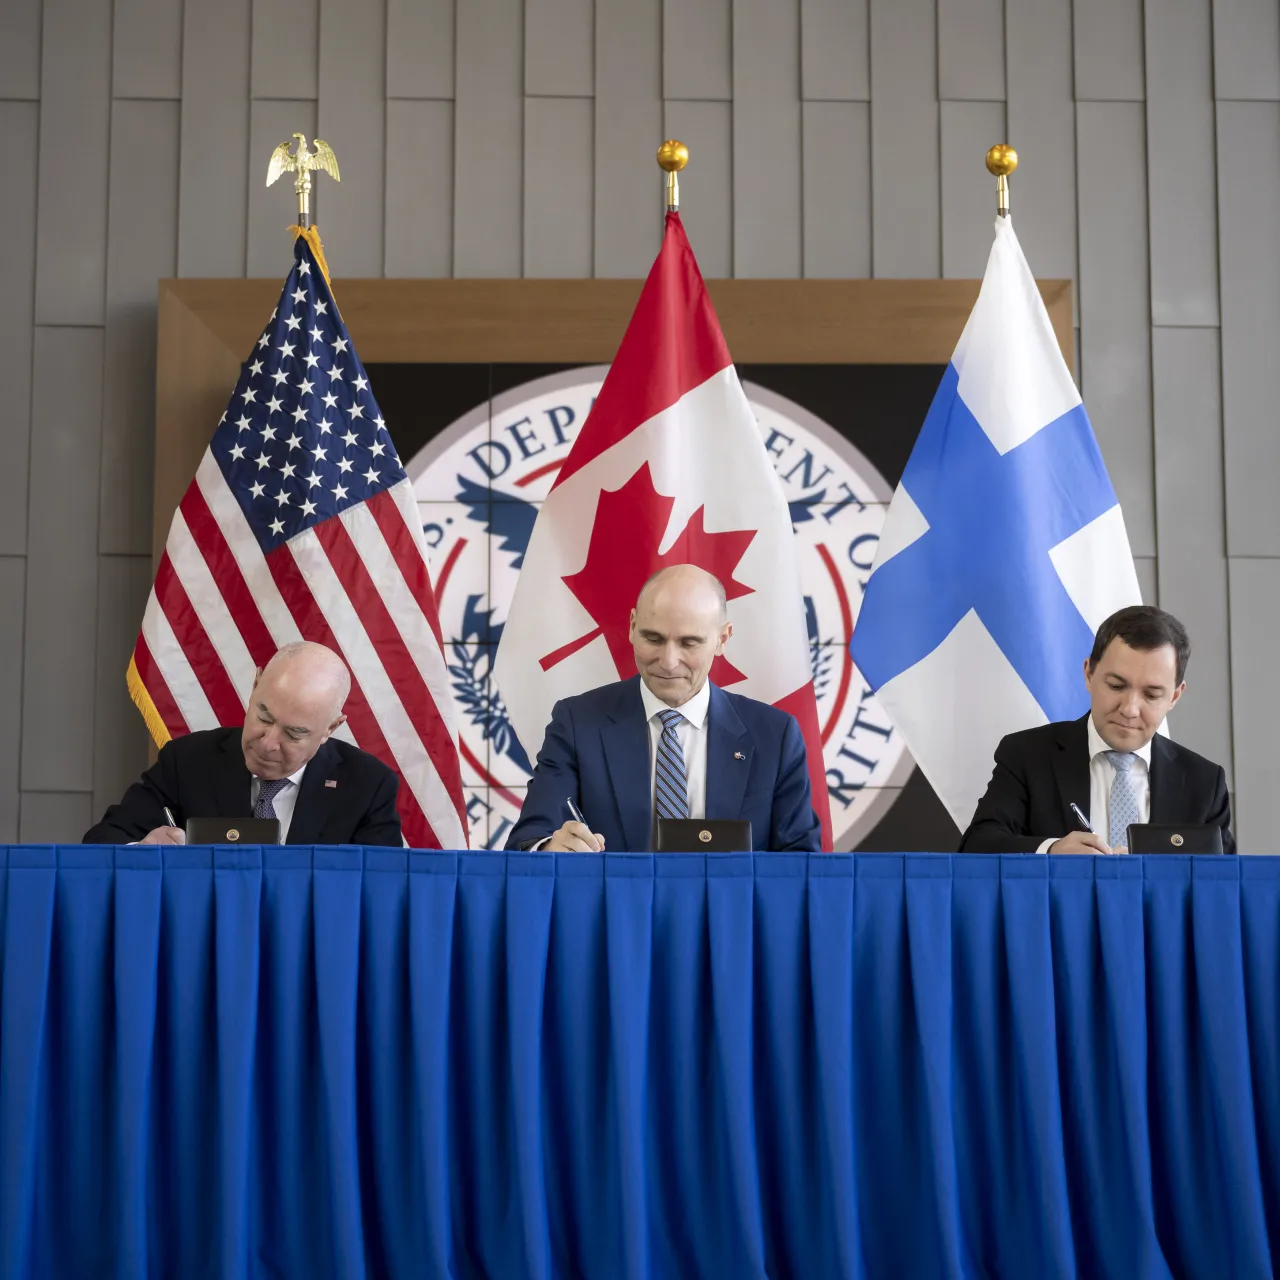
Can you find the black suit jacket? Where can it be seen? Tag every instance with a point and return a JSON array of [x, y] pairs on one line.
[[1039, 772], [203, 775]]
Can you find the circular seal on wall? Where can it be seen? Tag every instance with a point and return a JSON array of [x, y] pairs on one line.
[[479, 484]]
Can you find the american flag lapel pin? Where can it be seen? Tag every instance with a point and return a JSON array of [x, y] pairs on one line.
[[331, 782]]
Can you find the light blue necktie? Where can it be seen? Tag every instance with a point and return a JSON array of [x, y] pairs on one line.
[[670, 784], [1123, 807], [267, 792]]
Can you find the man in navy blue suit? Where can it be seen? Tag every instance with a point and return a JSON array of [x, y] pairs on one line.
[[668, 741]]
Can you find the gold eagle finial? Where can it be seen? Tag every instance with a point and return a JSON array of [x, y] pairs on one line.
[[303, 161]]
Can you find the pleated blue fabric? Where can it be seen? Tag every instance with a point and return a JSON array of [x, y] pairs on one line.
[[336, 1062]]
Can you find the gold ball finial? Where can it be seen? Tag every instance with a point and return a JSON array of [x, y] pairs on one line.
[[1002, 160], [672, 156]]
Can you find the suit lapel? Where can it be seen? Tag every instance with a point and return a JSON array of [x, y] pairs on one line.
[[624, 736], [726, 775], [315, 801], [1165, 781], [230, 782], [1071, 771]]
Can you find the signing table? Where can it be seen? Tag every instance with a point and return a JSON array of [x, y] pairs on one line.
[[344, 1062]]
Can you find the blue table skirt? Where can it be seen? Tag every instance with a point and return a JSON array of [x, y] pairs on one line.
[[340, 1062]]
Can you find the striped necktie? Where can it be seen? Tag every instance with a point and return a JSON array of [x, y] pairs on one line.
[[670, 785]]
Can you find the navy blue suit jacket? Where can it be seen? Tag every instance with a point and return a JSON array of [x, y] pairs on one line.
[[596, 752]]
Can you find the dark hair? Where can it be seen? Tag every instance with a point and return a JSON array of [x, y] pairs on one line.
[[1143, 626]]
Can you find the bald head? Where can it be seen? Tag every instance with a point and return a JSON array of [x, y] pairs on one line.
[[296, 703], [310, 666], [678, 628], [688, 583]]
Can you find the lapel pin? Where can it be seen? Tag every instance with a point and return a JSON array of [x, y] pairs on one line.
[[331, 782], [737, 755]]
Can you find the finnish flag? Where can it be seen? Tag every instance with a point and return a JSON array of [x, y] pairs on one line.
[[1002, 550]]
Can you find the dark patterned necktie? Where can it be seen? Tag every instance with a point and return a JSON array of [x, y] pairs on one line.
[[267, 792], [670, 785]]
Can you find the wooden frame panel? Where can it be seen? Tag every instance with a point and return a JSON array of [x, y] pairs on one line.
[[206, 328]]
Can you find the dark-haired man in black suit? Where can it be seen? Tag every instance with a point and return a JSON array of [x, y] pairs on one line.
[[1111, 763], [283, 763]]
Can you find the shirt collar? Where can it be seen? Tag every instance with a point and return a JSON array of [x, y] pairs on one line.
[[1097, 744], [694, 711], [295, 778]]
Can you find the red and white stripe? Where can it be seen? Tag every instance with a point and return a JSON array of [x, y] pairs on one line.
[[357, 583], [671, 401]]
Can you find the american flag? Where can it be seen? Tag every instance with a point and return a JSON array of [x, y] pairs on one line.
[[301, 524]]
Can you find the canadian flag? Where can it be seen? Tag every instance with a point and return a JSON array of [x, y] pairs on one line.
[[669, 468]]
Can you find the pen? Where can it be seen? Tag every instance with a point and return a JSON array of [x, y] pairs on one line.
[[1080, 818], [574, 812], [168, 814]]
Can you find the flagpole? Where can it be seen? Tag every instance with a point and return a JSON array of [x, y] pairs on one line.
[[1002, 160], [672, 157]]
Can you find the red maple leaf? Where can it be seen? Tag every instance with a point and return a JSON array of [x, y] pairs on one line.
[[623, 554]]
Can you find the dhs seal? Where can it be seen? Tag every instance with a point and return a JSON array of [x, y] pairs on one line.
[[479, 484]]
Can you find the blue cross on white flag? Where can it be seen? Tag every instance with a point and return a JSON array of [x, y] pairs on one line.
[[1002, 550]]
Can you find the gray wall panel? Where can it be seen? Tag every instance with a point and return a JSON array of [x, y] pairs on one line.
[[1255, 700], [54, 817], [697, 45], [273, 209], [488, 139], [1246, 49], [1248, 214], [146, 59], [906, 237], [1108, 49], [1115, 315], [628, 130], [119, 735], [19, 127], [1042, 128], [20, 49], [420, 48], [142, 247], [286, 49], [420, 188], [1148, 582], [75, 111], [766, 138], [212, 191], [834, 40], [558, 185], [1180, 158], [559, 48], [62, 547], [968, 190], [706, 185], [1191, 545], [13, 593], [971, 50], [353, 121], [837, 189]]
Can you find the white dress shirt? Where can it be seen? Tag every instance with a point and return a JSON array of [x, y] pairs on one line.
[[692, 732], [285, 802], [1102, 774]]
